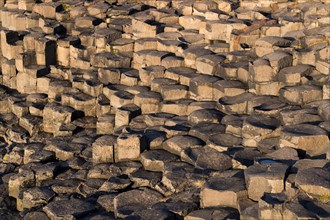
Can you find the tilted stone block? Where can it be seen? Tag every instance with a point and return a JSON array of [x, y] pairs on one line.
[[31, 124], [177, 107], [293, 75], [177, 144], [279, 60], [55, 87], [109, 75], [54, 115], [98, 10], [122, 46], [299, 116], [269, 44], [18, 182], [145, 44], [121, 98], [130, 77], [172, 61], [314, 182], [257, 128], [182, 75], [310, 138], [269, 209], [64, 150]]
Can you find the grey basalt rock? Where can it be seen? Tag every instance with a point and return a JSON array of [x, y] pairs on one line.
[[310, 138], [303, 207], [204, 131], [315, 182], [129, 146], [151, 213], [235, 104], [66, 209], [35, 215], [220, 191], [144, 178], [271, 205], [177, 144], [262, 178], [257, 128], [207, 158], [223, 142], [205, 116], [35, 197], [213, 213], [164, 109], [106, 201], [179, 208], [128, 202], [66, 185], [104, 171], [175, 178], [115, 183], [155, 160]]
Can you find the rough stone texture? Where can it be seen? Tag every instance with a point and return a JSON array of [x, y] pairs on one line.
[[262, 178], [164, 109], [103, 149], [128, 202], [64, 208], [310, 138], [220, 191], [315, 181]]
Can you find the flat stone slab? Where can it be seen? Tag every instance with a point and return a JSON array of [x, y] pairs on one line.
[[67, 208]]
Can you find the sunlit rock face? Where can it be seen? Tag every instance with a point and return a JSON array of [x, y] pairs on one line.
[[164, 109]]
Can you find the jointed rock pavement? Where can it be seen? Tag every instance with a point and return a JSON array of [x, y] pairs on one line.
[[164, 109]]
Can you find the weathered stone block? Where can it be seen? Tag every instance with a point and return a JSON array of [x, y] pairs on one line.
[[103, 149], [261, 178], [310, 138], [129, 147], [202, 87], [301, 94], [105, 124], [221, 191]]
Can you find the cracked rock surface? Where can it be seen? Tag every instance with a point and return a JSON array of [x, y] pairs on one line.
[[164, 109]]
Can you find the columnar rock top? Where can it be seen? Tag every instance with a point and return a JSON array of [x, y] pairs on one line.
[[164, 109]]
